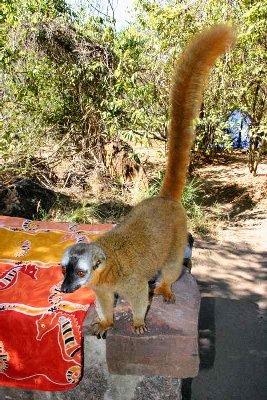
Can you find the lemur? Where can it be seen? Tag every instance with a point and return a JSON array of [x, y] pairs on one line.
[[153, 235]]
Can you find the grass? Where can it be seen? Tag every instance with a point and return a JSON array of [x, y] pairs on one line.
[[102, 212], [112, 211], [190, 200]]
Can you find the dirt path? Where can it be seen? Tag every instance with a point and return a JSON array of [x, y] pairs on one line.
[[234, 262], [232, 271]]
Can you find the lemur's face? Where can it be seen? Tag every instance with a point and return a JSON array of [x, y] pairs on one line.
[[78, 263]]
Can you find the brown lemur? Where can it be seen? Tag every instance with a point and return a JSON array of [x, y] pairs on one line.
[[153, 236]]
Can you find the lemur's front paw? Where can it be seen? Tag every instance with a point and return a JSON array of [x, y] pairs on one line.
[[99, 328], [140, 329]]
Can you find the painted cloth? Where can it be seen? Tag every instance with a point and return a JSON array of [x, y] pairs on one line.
[[40, 327]]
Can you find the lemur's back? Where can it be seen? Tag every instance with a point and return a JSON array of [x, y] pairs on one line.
[[153, 230]]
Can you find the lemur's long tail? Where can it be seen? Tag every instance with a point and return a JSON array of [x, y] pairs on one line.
[[185, 100]]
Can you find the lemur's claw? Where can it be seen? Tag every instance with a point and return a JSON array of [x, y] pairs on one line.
[[99, 328], [170, 298], [140, 329]]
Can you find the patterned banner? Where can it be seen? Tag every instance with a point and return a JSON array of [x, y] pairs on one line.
[[40, 327]]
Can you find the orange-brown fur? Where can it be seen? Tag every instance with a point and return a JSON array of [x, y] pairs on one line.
[[153, 236]]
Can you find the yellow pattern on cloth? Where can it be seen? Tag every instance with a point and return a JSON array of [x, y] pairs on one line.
[[40, 327]]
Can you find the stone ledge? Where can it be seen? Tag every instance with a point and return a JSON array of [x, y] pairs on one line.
[[170, 348]]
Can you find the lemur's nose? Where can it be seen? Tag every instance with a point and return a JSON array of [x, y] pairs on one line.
[[64, 289]]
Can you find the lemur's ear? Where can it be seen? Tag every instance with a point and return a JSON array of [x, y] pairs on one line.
[[98, 257]]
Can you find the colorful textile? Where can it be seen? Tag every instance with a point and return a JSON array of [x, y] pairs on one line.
[[40, 327]]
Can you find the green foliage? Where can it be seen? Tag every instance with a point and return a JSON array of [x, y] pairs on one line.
[[190, 200], [239, 79], [110, 212], [56, 77], [155, 184], [70, 81]]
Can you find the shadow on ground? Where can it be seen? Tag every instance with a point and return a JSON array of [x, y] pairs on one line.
[[233, 353], [233, 195], [232, 328]]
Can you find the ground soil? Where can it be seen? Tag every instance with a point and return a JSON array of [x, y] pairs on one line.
[[231, 269], [236, 203]]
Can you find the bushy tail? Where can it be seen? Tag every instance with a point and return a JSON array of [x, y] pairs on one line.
[[185, 100]]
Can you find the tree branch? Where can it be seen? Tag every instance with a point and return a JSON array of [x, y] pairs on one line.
[[154, 135]]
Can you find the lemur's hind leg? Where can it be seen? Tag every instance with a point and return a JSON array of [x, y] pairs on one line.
[[170, 272]]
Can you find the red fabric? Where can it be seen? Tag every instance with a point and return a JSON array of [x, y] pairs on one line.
[[40, 327]]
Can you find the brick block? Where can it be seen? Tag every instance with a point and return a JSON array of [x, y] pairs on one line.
[[170, 348]]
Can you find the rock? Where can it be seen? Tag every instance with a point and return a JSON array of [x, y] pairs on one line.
[[122, 164], [26, 199], [169, 349]]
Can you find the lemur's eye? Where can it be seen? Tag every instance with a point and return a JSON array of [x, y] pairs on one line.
[[96, 265], [64, 270], [81, 274]]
